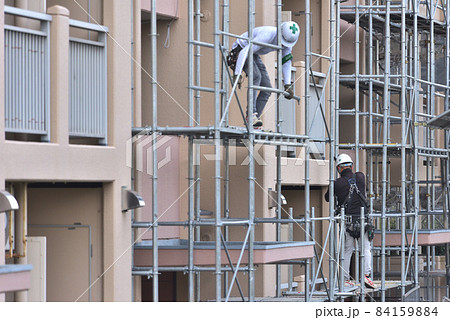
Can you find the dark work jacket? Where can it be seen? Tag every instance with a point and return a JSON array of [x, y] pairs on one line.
[[342, 187]]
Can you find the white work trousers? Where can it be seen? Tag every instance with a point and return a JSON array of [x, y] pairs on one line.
[[349, 244]]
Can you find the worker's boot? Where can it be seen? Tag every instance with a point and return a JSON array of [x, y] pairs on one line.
[[369, 283], [256, 121]]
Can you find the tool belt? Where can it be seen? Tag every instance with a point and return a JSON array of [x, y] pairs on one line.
[[233, 56], [353, 227]]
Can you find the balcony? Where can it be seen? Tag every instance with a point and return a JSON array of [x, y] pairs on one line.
[[87, 82], [37, 91], [27, 71]]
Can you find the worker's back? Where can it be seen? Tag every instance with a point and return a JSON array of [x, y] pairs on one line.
[[342, 188]]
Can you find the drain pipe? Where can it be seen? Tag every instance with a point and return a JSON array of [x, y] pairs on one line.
[[21, 233]]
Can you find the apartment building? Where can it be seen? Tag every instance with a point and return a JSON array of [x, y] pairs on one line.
[[112, 102], [67, 95]]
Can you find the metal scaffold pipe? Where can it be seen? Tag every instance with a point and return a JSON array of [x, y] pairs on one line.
[[228, 144], [191, 296], [334, 139], [250, 147], [217, 148], [307, 133], [403, 151], [153, 32], [278, 148], [384, 170], [416, 59], [357, 87]]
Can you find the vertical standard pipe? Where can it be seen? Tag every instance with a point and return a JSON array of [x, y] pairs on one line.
[[416, 143], [197, 22], [226, 205], [291, 238], [218, 222], [278, 148], [334, 109], [370, 64], [251, 165], [427, 143], [155, 154], [357, 102], [307, 148], [225, 95], [313, 237], [191, 182], [342, 247], [403, 147], [430, 133], [191, 297], [362, 255], [225, 44], [386, 104], [446, 107]]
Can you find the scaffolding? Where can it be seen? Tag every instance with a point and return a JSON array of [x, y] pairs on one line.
[[389, 92], [396, 93]]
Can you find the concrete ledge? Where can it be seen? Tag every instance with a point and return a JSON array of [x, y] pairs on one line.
[[15, 277], [426, 237], [175, 252]]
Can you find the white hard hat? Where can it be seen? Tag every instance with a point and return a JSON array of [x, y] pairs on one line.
[[343, 159], [289, 33]]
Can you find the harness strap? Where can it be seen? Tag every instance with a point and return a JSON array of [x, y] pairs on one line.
[[354, 187]]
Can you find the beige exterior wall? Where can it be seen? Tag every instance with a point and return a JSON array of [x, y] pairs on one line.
[[61, 161]]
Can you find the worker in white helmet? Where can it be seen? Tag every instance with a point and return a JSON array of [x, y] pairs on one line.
[[350, 191], [237, 60]]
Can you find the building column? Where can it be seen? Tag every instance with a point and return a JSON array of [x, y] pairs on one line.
[[117, 225], [59, 75]]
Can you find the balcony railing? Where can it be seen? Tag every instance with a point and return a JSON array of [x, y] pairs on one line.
[[27, 76], [27, 70], [88, 83]]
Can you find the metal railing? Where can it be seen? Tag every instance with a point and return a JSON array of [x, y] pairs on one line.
[[27, 75], [88, 84]]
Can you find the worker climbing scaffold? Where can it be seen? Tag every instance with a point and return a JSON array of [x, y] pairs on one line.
[[237, 61]]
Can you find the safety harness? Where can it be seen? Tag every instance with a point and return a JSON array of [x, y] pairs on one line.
[[353, 223], [232, 57], [234, 54]]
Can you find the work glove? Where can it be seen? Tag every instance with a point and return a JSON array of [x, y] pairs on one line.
[[289, 90]]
